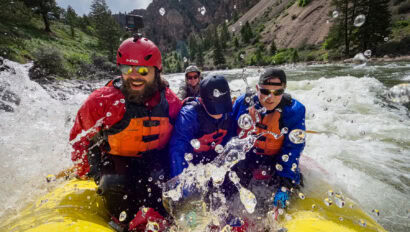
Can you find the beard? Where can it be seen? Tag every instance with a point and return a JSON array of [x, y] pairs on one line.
[[139, 97]]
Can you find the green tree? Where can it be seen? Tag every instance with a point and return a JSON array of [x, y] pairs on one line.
[[236, 42], [246, 33], [377, 25], [273, 48], [193, 46], [225, 35], [218, 56], [200, 57], [356, 38], [108, 31], [43, 7], [71, 19], [303, 3]]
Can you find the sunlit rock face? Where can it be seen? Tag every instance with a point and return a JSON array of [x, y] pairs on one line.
[[167, 22]]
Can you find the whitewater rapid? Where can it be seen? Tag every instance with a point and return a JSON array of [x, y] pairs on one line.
[[362, 146]]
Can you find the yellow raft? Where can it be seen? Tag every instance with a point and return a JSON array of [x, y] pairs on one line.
[[75, 206]]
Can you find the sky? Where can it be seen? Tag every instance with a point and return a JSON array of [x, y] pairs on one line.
[[83, 6]]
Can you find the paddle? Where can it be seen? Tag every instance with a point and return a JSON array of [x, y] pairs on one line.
[[62, 174]]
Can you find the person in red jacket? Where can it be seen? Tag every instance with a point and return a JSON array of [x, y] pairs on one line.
[[121, 133]]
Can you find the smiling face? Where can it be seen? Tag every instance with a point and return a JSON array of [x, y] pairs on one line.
[[138, 88], [270, 101], [192, 79]]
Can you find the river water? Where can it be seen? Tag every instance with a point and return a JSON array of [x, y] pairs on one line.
[[363, 144]]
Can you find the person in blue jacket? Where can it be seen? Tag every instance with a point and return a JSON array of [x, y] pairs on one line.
[[202, 124], [273, 160]]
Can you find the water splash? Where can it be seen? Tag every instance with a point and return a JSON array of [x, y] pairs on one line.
[[162, 11], [359, 20]]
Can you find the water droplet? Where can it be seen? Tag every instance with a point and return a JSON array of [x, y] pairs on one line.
[[125, 197], [219, 148], [189, 157], [294, 167], [263, 173], [161, 177], [297, 136], [359, 20], [368, 53], [123, 216], [226, 21], [313, 206], [386, 39], [376, 212], [330, 193], [195, 143], [149, 190], [281, 211], [162, 11], [108, 114], [202, 10], [152, 226], [247, 99], [285, 158], [159, 199], [335, 14], [122, 101], [279, 167], [328, 202], [362, 222], [341, 219], [149, 179], [245, 122], [301, 196]]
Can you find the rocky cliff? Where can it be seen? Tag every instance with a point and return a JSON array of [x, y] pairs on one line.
[[169, 21]]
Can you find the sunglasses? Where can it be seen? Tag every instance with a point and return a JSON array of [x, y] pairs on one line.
[[276, 92], [127, 69], [192, 77]]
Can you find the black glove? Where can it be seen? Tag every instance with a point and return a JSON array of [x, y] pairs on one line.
[[95, 162]]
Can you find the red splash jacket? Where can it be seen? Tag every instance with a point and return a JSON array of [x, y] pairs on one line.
[[106, 110]]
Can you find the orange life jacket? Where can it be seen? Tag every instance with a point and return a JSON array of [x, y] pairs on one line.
[[140, 130], [267, 144]]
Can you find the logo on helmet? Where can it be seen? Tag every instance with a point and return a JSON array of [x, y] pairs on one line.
[[132, 61]]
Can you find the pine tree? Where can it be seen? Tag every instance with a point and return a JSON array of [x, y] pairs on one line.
[[273, 47], [43, 7], [71, 19], [200, 57], [193, 46], [218, 57], [108, 31], [377, 25], [225, 36], [370, 34], [246, 33], [236, 42]]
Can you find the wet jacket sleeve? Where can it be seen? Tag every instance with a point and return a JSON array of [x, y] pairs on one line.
[[239, 108], [293, 117], [87, 123], [185, 126]]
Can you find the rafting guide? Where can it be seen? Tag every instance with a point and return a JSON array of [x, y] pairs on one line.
[[128, 124]]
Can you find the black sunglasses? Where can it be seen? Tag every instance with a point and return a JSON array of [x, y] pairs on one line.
[[276, 92], [192, 77]]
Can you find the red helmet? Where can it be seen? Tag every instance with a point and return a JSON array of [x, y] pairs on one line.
[[142, 52]]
